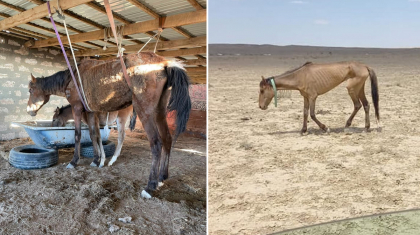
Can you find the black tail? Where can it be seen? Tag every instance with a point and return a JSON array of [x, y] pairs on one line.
[[180, 98], [133, 120], [375, 92]]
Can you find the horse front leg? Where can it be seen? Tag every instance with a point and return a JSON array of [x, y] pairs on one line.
[[77, 110], [94, 134]]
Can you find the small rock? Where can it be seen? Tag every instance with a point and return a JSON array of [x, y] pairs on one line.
[[125, 219], [113, 228]]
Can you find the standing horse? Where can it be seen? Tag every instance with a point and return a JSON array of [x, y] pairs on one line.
[[154, 80], [312, 80], [63, 114]]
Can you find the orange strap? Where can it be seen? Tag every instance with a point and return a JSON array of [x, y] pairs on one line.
[[111, 22]]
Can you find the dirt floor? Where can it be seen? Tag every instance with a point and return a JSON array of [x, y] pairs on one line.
[[265, 177], [90, 200]]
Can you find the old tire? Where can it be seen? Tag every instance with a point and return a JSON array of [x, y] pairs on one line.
[[29, 157], [109, 148]]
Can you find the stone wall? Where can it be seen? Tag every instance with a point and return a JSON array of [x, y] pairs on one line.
[[16, 65]]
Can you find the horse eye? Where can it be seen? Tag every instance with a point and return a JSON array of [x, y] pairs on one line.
[[30, 90]]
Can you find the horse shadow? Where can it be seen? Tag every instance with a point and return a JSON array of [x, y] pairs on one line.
[[337, 130]]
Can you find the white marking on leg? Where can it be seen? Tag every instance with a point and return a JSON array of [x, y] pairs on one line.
[[70, 166], [102, 154], [145, 194], [121, 123]]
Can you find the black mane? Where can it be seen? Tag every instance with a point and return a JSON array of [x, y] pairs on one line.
[[55, 82]]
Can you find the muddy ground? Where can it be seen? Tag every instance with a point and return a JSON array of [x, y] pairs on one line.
[[265, 177], [89, 200]]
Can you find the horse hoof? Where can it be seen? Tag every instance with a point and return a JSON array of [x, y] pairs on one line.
[[304, 133], [111, 162], [145, 194], [70, 166], [328, 130], [93, 164]]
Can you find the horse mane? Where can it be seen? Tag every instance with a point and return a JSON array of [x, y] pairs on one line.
[[295, 69], [55, 82], [64, 108]]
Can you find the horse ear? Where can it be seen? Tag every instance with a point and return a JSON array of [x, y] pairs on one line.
[[33, 78], [263, 78], [57, 111]]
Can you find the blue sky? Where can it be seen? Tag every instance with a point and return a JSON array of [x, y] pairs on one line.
[[341, 23]]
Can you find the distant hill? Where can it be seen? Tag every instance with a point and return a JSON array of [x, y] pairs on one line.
[[265, 49]]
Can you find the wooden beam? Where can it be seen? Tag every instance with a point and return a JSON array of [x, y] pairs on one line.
[[195, 4], [196, 62], [140, 27], [183, 32], [100, 8], [183, 52], [192, 42], [144, 8], [37, 13], [13, 35], [198, 78]]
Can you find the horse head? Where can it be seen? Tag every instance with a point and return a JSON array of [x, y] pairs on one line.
[[266, 93], [37, 97]]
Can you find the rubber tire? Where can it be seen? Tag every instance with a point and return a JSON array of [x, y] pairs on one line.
[[109, 148], [29, 161]]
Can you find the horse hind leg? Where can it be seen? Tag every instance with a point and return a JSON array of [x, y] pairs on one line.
[[95, 136], [121, 123], [77, 114], [354, 95], [147, 117], [165, 136], [366, 107]]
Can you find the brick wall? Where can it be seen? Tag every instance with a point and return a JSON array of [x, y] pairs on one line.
[[16, 65]]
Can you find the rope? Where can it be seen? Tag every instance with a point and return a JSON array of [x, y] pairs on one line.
[[61, 16], [65, 56]]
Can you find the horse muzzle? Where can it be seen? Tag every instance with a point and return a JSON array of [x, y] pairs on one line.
[[32, 110]]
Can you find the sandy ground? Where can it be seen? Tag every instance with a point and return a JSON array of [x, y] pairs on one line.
[[265, 177], [89, 200]]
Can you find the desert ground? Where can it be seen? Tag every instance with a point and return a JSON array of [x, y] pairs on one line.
[[265, 177], [90, 200]]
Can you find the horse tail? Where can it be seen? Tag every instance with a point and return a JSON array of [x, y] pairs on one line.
[[133, 120], [179, 100], [375, 92]]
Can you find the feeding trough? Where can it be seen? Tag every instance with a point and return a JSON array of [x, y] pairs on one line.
[[44, 135]]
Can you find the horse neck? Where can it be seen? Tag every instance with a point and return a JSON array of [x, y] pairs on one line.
[[55, 84], [287, 82]]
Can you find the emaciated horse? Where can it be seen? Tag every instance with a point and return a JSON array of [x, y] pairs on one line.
[[63, 114], [312, 80], [154, 80]]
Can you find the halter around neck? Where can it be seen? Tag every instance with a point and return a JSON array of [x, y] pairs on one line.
[[275, 91]]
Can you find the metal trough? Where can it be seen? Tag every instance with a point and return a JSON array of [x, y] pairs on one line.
[[43, 135]]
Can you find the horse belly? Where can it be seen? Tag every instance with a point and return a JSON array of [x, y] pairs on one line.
[[108, 94]]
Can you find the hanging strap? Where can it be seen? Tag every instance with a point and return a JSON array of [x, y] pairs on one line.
[[275, 91], [111, 22], [65, 57]]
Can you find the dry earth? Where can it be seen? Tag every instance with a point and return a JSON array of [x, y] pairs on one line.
[[89, 200], [265, 177]]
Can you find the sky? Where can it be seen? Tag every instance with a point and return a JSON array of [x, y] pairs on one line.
[[337, 23]]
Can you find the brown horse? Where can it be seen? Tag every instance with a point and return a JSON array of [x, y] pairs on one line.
[[63, 114], [154, 80], [312, 80]]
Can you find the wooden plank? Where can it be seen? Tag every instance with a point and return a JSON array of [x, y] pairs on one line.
[[191, 42], [195, 4], [37, 12], [183, 52], [140, 27], [196, 69], [196, 62]]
